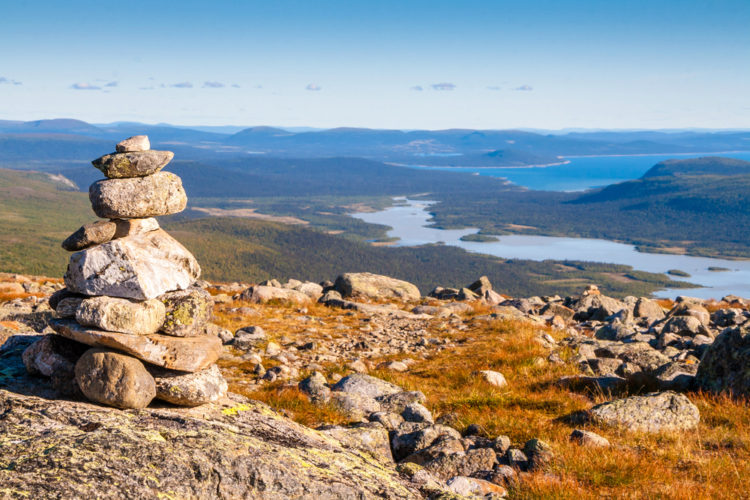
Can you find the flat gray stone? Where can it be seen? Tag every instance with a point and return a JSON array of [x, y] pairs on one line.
[[135, 143], [654, 412], [189, 354], [375, 286], [158, 194], [122, 315], [189, 389], [132, 164], [114, 379], [137, 267], [130, 227]]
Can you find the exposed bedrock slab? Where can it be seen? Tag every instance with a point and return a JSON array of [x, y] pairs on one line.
[[137, 267], [122, 315], [187, 311], [158, 194], [133, 163], [188, 354], [114, 379]]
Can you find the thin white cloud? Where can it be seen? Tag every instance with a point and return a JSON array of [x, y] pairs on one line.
[[9, 81], [213, 85], [235, 86], [524, 88], [182, 85], [112, 84], [84, 86], [313, 86], [444, 86], [494, 87], [417, 88]]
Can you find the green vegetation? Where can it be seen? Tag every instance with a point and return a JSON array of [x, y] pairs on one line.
[[678, 272], [717, 269], [37, 215], [479, 237]]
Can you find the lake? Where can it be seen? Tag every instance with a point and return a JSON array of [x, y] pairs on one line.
[[408, 223], [582, 172]]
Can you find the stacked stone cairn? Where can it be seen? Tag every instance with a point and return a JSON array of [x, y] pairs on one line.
[[131, 292]]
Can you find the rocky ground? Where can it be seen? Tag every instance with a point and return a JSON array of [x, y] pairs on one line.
[[463, 393]]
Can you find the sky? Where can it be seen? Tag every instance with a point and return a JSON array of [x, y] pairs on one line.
[[404, 64]]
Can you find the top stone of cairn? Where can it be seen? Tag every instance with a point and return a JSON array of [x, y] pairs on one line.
[[133, 144]]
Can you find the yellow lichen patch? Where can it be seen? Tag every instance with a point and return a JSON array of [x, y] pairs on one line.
[[236, 409]]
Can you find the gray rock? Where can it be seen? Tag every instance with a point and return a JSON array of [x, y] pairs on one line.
[[55, 357], [130, 227], [366, 385], [654, 412], [63, 293], [67, 307], [263, 294], [539, 453], [137, 267], [133, 163], [675, 376], [249, 337], [516, 458], [375, 286], [188, 354], [135, 143], [686, 326], [390, 421], [481, 286], [187, 312], [457, 464], [472, 487], [316, 387], [649, 309], [416, 412], [189, 389], [355, 407], [588, 438], [152, 196], [94, 233], [114, 379], [397, 402], [597, 307], [493, 378], [724, 365], [121, 315], [405, 442]]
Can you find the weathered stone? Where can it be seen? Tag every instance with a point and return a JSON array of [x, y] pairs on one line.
[[189, 389], [447, 466], [263, 294], [355, 407], [686, 326], [114, 379], [597, 307], [130, 227], [406, 442], [257, 453], [375, 286], [135, 143], [675, 376], [725, 365], [158, 194], [94, 233], [588, 438], [138, 267], [249, 337], [397, 402], [365, 385], [654, 412], [649, 309], [63, 293], [539, 453], [481, 286], [132, 163], [494, 378], [67, 307], [187, 311], [121, 315], [55, 357], [416, 412], [316, 387], [188, 354]]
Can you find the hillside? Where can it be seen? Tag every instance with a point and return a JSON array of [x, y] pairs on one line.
[[33, 225], [700, 205]]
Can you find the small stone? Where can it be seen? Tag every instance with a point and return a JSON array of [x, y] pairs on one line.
[[415, 412], [121, 315], [55, 299], [654, 412], [472, 487], [188, 354], [316, 387], [516, 458], [132, 164], [365, 385], [189, 389], [54, 356], [493, 378], [132, 144], [158, 194], [272, 349], [588, 438], [249, 337], [67, 307], [94, 233], [130, 227], [114, 379], [394, 366], [355, 407], [187, 311]]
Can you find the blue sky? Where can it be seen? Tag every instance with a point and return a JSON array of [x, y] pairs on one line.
[[386, 64]]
